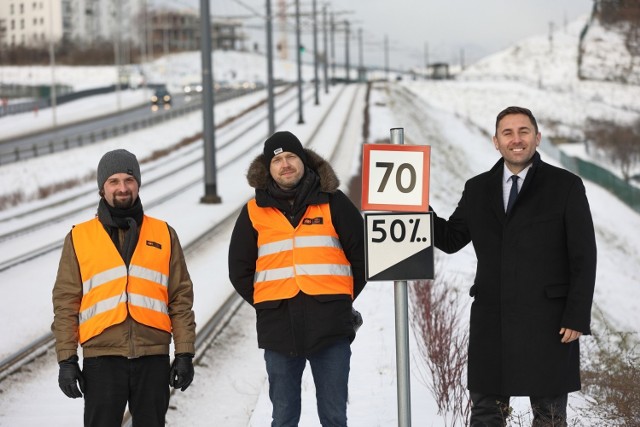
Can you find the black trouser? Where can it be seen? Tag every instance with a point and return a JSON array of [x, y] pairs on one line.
[[492, 411], [112, 381]]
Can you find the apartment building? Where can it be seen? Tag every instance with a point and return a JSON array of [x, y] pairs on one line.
[[34, 23], [30, 22]]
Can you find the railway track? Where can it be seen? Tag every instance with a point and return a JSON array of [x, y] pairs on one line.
[[40, 346], [233, 302], [85, 200]]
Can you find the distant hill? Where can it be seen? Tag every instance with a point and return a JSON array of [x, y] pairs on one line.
[[610, 43], [603, 46]]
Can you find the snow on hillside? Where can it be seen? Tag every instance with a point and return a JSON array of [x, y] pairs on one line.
[[535, 60], [173, 70], [606, 54], [545, 69]]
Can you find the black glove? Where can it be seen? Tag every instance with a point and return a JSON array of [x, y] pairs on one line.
[[181, 373], [356, 318], [68, 375]]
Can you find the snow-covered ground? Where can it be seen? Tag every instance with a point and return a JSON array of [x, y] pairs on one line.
[[454, 118]]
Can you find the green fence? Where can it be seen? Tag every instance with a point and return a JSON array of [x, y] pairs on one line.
[[628, 193]]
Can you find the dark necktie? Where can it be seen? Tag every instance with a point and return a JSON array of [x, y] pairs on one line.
[[513, 194]]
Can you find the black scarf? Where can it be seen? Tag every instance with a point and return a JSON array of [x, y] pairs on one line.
[[114, 219]]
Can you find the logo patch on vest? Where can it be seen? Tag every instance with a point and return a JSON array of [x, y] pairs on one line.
[[154, 244], [312, 221]]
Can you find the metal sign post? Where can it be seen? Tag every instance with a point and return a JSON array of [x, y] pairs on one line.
[[402, 331]]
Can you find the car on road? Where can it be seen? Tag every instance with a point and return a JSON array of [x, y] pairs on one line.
[[192, 88], [161, 96]]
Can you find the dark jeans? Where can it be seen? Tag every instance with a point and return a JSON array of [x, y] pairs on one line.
[[492, 411], [330, 369], [112, 381]]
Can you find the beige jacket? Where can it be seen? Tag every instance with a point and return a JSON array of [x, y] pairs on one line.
[[129, 338]]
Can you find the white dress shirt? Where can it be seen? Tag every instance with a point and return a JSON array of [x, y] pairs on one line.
[[506, 182]]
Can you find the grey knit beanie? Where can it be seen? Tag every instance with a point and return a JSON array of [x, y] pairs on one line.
[[118, 161], [280, 142]]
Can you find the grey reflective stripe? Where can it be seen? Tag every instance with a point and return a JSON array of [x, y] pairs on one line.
[[300, 242], [273, 274], [150, 303], [303, 270], [148, 274], [323, 269], [317, 242], [104, 277], [102, 306], [275, 247]]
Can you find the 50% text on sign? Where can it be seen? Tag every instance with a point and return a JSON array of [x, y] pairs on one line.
[[399, 246]]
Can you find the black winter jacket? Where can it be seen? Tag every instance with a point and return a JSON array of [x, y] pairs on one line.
[[303, 324]]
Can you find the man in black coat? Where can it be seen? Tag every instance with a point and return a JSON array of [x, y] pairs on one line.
[[536, 265], [297, 256]]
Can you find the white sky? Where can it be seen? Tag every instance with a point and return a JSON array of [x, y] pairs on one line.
[[230, 387]]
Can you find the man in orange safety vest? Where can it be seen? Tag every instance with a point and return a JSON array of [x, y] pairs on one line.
[[123, 292], [297, 256]]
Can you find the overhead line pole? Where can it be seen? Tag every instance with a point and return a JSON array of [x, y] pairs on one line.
[[52, 61], [386, 56], [315, 54], [360, 57], [208, 130], [299, 61], [116, 50], [346, 52], [324, 52], [333, 48], [270, 100]]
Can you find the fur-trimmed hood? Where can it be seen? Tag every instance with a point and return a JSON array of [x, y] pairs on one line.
[[258, 175]]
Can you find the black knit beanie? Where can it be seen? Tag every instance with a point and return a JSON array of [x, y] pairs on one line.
[[280, 142], [118, 161]]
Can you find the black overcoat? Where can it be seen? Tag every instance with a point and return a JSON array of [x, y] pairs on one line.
[[535, 273]]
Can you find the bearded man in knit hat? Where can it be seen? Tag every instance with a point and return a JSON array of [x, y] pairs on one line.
[[297, 256], [122, 291]]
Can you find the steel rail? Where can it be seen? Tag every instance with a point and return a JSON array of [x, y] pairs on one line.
[[223, 128], [38, 347], [206, 336], [18, 259]]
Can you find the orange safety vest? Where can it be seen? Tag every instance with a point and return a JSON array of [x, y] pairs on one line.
[[307, 258], [110, 291]]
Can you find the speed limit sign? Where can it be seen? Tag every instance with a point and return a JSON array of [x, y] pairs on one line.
[[395, 177]]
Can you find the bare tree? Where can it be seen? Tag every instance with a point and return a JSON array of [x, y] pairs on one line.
[[620, 143], [610, 376], [443, 345]]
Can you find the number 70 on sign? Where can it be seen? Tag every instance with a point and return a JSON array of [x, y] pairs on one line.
[[395, 177]]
